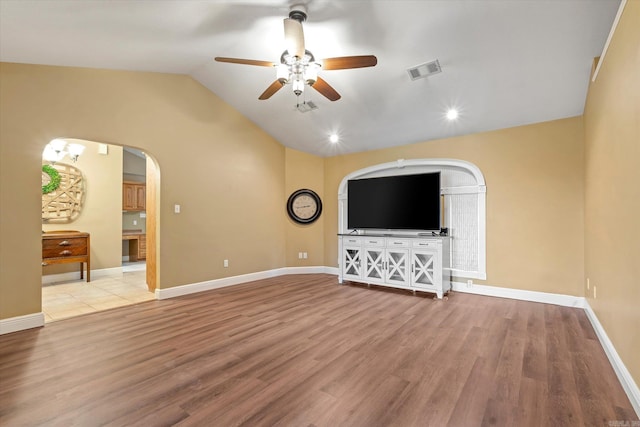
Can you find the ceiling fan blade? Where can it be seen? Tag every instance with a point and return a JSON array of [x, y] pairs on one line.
[[345, 62], [273, 88], [294, 37], [245, 61], [325, 89]]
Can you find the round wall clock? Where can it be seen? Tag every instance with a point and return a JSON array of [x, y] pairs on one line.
[[304, 206]]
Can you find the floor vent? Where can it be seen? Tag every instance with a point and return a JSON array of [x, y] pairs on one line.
[[424, 70]]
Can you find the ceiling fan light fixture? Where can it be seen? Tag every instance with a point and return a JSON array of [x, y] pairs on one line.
[[311, 73], [298, 86]]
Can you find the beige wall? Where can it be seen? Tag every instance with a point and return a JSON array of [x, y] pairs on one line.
[[534, 200], [100, 215], [227, 174], [304, 171], [612, 190], [129, 217]]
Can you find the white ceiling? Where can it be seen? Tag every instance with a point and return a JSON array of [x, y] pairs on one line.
[[505, 62]]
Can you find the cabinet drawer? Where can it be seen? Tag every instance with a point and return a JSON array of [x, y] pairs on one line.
[[398, 243], [351, 240], [425, 244], [54, 248], [142, 242], [374, 241]]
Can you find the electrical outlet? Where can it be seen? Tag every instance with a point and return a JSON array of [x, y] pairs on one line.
[[225, 263], [587, 283], [135, 222], [594, 292], [176, 208], [469, 283]]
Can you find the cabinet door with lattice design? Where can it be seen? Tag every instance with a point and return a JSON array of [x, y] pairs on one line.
[[352, 262], [397, 267], [374, 265], [423, 268]]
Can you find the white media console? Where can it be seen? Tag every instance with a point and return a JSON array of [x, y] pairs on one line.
[[417, 263]]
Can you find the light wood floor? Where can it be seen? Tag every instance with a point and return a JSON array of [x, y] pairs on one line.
[[305, 351]]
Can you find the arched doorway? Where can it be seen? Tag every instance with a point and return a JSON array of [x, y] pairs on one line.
[[102, 217]]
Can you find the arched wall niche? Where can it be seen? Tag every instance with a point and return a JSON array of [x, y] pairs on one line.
[[464, 191]]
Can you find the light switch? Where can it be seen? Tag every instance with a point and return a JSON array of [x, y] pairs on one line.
[[135, 222], [176, 208]]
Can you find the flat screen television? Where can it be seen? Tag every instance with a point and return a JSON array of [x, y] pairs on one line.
[[401, 202]]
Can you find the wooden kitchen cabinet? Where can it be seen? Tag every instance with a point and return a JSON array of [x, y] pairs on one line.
[[133, 196], [137, 245]]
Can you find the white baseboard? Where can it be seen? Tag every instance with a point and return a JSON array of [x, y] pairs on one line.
[[20, 323], [125, 258], [519, 294], [236, 280], [310, 270], [75, 275], [624, 376]]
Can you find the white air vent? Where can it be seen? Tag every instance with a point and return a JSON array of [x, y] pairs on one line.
[[424, 70], [307, 106]]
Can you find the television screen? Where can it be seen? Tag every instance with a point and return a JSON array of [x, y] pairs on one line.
[[402, 202]]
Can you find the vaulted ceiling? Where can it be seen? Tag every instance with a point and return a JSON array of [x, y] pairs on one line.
[[504, 62]]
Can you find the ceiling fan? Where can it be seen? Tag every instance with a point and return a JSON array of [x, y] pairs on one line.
[[298, 66]]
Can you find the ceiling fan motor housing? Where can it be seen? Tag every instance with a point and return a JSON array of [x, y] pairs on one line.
[[298, 12]]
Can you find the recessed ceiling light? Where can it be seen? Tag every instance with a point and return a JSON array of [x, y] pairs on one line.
[[333, 138], [452, 114]]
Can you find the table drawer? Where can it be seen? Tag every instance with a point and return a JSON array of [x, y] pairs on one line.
[[64, 247]]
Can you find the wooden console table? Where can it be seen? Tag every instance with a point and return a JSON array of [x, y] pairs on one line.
[[62, 247]]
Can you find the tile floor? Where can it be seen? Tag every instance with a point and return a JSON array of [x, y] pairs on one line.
[[68, 299]]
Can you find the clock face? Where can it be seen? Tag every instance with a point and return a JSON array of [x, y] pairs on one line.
[[304, 206]]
